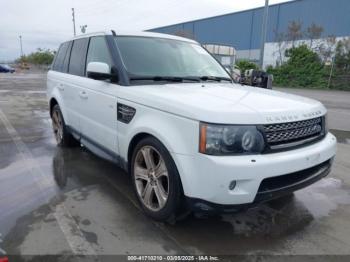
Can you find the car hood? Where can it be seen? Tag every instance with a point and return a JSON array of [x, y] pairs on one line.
[[224, 103]]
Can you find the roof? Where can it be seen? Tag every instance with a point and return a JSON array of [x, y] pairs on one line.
[[141, 33]]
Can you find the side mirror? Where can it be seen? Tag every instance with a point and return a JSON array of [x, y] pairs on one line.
[[98, 71]]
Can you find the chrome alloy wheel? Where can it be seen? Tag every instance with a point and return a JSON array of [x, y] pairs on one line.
[[151, 178], [57, 125]]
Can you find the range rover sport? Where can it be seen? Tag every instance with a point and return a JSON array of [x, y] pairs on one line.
[[165, 110]]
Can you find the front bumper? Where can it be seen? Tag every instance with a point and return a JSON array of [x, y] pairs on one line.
[[270, 188], [206, 179]]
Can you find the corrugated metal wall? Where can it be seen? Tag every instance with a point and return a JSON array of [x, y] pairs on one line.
[[242, 30]]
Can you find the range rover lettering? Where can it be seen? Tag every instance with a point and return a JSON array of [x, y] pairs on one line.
[[166, 111]]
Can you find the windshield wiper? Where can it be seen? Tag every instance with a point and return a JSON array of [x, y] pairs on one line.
[[215, 78], [166, 78]]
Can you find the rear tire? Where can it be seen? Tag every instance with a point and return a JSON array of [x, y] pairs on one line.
[[156, 180], [62, 135]]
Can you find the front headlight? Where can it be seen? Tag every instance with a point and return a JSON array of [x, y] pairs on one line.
[[230, 139]]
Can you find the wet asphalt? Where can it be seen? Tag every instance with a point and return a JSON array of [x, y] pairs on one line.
[[56, 201]]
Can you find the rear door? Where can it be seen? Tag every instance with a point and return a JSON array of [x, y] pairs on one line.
[[75, 82], [98, 101], [58, 77]]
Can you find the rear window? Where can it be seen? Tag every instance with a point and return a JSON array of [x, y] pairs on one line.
[[62, 57], [78, 57]]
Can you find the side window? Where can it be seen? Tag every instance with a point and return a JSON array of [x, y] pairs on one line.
[[78, 57], [98, 51], [66, 58], [60, 56]]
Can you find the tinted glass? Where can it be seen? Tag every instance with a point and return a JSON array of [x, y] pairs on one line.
[[149, 56], [60, 56], [98, 51], [66, 58], [78, 57]]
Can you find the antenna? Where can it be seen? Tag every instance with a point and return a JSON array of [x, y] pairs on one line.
[[113, 33]]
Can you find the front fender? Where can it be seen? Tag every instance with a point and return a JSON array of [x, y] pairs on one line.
[[178, 134]]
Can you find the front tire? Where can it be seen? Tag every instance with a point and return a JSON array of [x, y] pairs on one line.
[[60, 130], [156, 180]]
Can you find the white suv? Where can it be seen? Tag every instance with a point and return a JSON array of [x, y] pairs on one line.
[[168, 113]]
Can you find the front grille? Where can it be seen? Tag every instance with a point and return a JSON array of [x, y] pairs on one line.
[[290, 134]]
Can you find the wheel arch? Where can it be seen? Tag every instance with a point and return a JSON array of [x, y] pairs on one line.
[[55, 100], [136, 139], [133, 143], [52, 103]]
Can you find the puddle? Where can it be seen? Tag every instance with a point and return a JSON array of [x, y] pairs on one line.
[[265, 227], [341, 135], [324, 197]]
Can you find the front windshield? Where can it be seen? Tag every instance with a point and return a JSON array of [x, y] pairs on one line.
[[150, 57]]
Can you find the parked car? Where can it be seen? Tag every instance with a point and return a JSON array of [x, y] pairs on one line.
[[6, 69], [165, 110]]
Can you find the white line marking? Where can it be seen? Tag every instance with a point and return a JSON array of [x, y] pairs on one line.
[[69, 227], [72, 232]]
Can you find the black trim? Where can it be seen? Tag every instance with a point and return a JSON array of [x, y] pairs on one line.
[[315, 173], [274, 187], [125, 113], [121, 162], [117, 61]]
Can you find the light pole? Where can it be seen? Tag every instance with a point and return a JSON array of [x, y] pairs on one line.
[[73, 19], [263, 33], [20, 43]]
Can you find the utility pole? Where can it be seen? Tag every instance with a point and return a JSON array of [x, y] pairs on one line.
[[73, 15], [331, 73], [20, 43], [263, 33]]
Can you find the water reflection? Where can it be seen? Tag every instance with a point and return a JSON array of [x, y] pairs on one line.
[[262, 227]]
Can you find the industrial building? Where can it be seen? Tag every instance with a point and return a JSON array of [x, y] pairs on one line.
[[242, 30]]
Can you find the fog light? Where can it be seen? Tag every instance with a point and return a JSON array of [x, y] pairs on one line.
[[232, 185]]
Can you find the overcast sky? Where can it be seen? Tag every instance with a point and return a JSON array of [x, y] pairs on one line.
[[46, 23]]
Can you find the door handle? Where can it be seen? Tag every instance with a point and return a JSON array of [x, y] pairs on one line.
[[83, 95], [61, 87]]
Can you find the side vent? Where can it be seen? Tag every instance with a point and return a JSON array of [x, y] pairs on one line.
[[125, 113]]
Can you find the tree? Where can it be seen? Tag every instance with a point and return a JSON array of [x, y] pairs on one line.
[[40, 57], [342, 55], [314, 32], [340, 78], [294, 31], [244, 65], [326, 48], [304, 68], [280, 39]]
